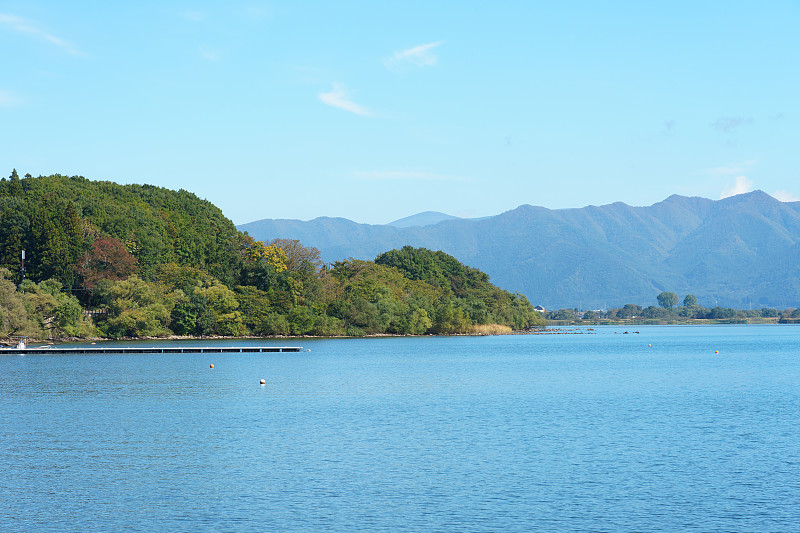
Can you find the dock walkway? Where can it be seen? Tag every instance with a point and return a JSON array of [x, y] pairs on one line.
[[153, 349]]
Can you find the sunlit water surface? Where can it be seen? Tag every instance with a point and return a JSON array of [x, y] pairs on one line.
[[593, 431]]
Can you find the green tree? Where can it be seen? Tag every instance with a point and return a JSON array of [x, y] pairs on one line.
[[450, 318], [15, 185], [417, 322], [14, 316], [136, 308], [721, 313], [217, 311], [58, 313], [667, 300], [478, 301], [561, 314], [629, 311], [255, 309], [301, 320], [690, 300], [655, 312]]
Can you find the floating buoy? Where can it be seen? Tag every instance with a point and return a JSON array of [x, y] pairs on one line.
[[716, 351], [211, 365], [263, 382], [649, 345]]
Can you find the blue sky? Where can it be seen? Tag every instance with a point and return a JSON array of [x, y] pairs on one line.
[[374, 111]]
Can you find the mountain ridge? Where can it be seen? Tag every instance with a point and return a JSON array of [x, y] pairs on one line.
[[736, 251], [426, 218]]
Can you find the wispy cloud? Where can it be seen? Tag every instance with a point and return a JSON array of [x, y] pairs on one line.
[[9, 99], [393, 175], [25, 26], [209, 54], [785, 196], [338, 97], [420, 56], [193, 16], [733, 168], [728, 124], [740, 185], [257, 12]]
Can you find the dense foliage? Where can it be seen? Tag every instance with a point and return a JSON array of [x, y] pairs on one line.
[[466, 288], [666, 312], [58, 220], [137, 260]]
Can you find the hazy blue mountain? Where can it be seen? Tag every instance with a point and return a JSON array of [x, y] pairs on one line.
[[739, 252], [425, 218]]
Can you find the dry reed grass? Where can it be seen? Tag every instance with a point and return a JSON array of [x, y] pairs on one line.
[[490, 329]]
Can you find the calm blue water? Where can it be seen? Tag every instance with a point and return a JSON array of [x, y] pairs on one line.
[[520, 433]]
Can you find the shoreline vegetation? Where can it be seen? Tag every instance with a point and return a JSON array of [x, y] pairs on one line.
[[554, 327], [668, 312], [483, 331], [91, 260], [674, 322], [81, 259]]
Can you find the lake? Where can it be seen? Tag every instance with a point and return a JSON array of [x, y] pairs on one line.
[[592, 431]]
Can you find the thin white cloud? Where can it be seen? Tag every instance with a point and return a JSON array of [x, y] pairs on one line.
[[785, 196], [740, 185], [9, 99], [733, 168], [209, 54], [257, 12], [193, 16], [338, 97], [421, 56], [22, 25], [392, 175]]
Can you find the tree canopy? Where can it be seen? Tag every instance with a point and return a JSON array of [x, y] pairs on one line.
[[667, 300], [148, 261]]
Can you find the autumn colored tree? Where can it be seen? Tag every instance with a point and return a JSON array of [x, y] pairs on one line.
[[297, 254], [108, 259]]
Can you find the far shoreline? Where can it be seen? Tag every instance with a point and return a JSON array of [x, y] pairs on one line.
[[554, 327]]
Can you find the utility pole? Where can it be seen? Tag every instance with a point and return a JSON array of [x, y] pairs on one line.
[[22, 270]]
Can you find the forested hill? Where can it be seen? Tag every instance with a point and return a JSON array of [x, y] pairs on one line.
[[149, 261], [56, 218], [742, 251]]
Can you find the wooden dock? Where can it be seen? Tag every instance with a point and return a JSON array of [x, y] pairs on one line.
[[41, 350]]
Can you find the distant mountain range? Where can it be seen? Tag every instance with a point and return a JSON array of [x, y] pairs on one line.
[[742, 251], [422, 219]]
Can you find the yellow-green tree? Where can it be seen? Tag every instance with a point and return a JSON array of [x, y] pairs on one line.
[[136, 308]]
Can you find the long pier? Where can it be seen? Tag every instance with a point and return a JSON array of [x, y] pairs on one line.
[[151, 349]]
